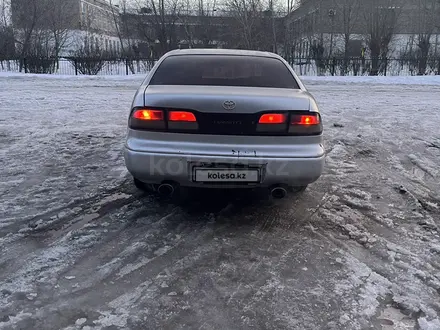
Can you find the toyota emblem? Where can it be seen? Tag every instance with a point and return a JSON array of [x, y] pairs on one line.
[[229, 105]]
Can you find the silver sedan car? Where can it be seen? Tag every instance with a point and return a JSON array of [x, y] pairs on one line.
[[218, 118]]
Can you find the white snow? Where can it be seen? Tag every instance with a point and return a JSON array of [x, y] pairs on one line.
[[371, 287], [14, 319], [46, 125], [368, 80], [425, 324], [17, 75], [61, 140], [374, 80], [81, 321]]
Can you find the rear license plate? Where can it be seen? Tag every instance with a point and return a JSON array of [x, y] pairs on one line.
[[226, 175]]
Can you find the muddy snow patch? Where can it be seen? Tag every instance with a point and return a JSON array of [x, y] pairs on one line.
[[337, 153], [370, 288], [338, 160], [425, 165], [425, 324], [13, 320], [46, 265], [127, 269], [113, 198], [357, 198], [393, 319], [398, 249], [108, 319]]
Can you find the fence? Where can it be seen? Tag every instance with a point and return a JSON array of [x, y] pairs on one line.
[[303, 66], [78, 66], [363, 66]]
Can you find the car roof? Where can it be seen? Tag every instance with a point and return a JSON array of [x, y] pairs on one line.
[[221, 51]]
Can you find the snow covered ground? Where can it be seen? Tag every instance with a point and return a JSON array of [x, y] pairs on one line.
[[80, 248]]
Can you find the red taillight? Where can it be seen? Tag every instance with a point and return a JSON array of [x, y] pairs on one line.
[[162, 120], [305, 124], [148, 115], [183, 116], [305, 120], [272, 118]]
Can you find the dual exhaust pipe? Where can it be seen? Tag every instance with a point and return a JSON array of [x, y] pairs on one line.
[[278, 192], [168, 190]]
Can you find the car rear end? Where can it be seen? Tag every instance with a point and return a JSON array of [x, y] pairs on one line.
[[224, 119]]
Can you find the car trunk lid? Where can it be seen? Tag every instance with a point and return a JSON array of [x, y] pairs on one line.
[[226, 110], [211, 99]]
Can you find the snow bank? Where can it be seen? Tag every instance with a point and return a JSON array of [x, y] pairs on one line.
[[71, 77], [389, 80]]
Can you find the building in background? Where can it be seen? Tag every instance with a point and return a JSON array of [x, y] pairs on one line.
[[357, 28], [68, 26], [209, 28], [314, 29], [154, 37], [99, 20]]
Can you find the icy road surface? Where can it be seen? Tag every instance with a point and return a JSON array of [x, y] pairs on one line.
[[80, 248]]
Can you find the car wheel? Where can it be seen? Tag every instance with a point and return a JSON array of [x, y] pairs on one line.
[[140, 185], [298, 189]]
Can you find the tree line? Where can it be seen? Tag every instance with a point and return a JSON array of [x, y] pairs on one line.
[[407, 30], [149, 28], [45, 26]]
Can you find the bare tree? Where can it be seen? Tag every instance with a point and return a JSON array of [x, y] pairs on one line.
[[201, 24], [7, 44], [4, 10], [32, 34], [291, 5], [90, 56], [381, 20], [125, 36], [288, 32], [349, 11], [27, 16], [90, 42], [122, 27], [247, 15], [59, 20], [253, 28], [41, 30], [427, 20], [159, 23]]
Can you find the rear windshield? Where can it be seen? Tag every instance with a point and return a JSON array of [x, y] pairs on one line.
[[224, 70]]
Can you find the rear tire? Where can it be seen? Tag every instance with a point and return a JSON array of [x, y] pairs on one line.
[[140, 185], [298, 189]]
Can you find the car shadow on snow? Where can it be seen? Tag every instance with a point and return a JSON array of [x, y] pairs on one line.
[[202, 201]]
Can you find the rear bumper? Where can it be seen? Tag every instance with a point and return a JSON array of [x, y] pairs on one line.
[[159, 167]]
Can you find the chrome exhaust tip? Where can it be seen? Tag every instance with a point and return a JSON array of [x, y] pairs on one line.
[[166, 190], [278, 193]]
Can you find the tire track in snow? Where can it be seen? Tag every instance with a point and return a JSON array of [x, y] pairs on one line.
[[169, 257], [42, 220], [50, 261], [401, 288], [46, 233], [134, 256], [263, 232]]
